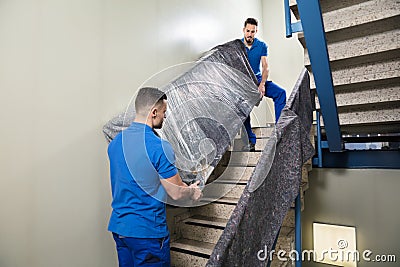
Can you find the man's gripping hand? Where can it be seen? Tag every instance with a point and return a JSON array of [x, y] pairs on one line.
[[195, 190], [261, 89]]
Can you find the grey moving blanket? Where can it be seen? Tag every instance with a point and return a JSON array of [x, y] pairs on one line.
[[273, 186], [206, 108]]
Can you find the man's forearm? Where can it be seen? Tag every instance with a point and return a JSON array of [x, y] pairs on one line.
[[264, 76], [178, 190]]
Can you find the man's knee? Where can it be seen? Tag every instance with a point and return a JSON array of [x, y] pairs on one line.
[[274, 91], [282, 95], [279, 96]]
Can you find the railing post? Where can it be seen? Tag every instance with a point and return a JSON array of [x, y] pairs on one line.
[[297, 239], [288, 20], [290, 27], [319, 139]]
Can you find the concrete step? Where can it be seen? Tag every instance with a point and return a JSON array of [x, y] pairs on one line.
[[238, 144], [186, 252], [221, 208], [375, 128], [218, 189], [237, 174], [354, 49], [362, 13], [203, 248], [222, 200], [361, 73], [206, 221], [262, 132], [202, 233], [359, 31], [383, 113], [369, 119], [339, 15], [366, 95], [383, 57], [230, 182], [219, 180], [244, 159], [327, 6], [180, 259], [376, 113]]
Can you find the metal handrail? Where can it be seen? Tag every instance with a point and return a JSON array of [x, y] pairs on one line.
[[291, 27], [314, 35], [288, 19]]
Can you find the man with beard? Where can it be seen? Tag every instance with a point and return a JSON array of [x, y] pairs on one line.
[[257, 52], [142, 174]]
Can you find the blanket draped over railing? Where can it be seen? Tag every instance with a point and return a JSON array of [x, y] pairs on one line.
[[273, 186]]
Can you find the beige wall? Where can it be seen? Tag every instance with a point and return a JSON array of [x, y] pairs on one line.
[[67, 66], [366, 199], [54, 189]]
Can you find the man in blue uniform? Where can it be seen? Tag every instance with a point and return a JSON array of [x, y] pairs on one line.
[[257, 52], [142, 174]]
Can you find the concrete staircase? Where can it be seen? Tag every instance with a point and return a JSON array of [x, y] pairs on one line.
[[364, 51], [195, 231]]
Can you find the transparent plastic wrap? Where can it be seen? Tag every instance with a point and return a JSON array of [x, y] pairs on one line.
[[207, 106]]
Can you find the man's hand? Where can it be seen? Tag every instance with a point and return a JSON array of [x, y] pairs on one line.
[[196, 192], [261, 89]]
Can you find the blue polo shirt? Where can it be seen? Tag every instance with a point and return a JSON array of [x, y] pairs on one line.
[[254, 54], [138, 160]]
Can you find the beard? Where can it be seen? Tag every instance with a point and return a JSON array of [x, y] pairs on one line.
[[159, 125], [249, 40]]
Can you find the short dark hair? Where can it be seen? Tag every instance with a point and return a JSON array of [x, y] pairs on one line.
[[251, 21], [147, 98]]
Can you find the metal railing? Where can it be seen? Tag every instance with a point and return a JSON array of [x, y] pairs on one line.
[[311, 24]]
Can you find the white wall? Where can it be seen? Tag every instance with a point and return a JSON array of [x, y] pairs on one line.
[[143, 39], [54, 190], [66, 66]]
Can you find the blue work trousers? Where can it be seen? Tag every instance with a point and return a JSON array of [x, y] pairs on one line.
[[278, 95], [137, 252]]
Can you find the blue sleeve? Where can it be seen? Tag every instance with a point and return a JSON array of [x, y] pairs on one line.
[[166, 160], [264, 51]]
